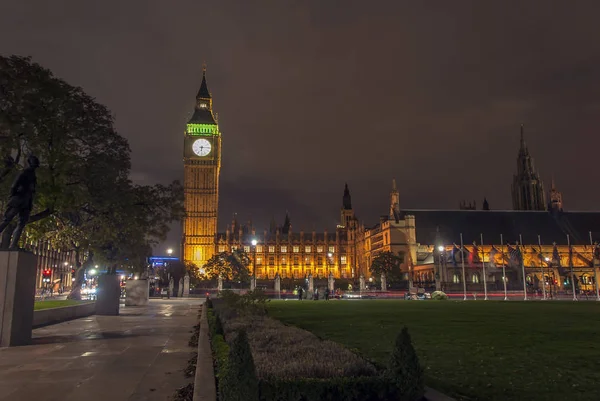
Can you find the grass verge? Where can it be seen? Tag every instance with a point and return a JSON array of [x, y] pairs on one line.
[[471, 350], [39, 305]]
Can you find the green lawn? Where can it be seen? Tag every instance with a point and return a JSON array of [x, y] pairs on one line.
[[472, 350], [54, 304]]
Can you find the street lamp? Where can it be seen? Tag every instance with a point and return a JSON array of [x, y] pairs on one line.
[[329, 256], [169, 251], [254, 242], [92, 272]]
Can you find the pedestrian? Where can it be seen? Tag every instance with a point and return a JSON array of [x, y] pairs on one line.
[[300, 292], [327, 294], [316, 295]]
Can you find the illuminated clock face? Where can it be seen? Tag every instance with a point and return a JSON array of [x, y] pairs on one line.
[[201, 147]]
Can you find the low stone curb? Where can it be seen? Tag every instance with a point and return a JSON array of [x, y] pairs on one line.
[[45, 317], [204, 382]]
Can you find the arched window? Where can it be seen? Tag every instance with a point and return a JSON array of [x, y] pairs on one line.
[[456, 278], [475, 278]]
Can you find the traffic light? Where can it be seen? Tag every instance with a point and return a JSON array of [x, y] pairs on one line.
[[46, 274]]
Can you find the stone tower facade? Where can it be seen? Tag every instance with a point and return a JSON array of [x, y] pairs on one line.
[[202, 166], [527, 188]]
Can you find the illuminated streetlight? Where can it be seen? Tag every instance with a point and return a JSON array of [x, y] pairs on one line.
[[96, 266], [441, 248], [254, 242], [66, 263], [169, 251], [92, 272]]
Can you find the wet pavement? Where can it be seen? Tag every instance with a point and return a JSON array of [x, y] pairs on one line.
[[139, 355]]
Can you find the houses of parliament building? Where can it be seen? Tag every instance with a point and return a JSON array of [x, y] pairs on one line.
[[537, 242]]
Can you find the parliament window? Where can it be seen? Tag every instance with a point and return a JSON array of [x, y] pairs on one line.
[[246, 249], [284, 249], [343, 260], [259, 260], [296, 249], [319, 249], [456, 278], [222, 248], [307, 249], [271, 248], [259, 248], [332, 249], [271, 260]]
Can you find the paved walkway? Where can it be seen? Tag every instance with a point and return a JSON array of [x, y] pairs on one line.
[[139, 355]]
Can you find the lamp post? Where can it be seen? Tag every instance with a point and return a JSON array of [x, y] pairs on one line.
[[438, 275], [329, 256], [170, 251], [254, 242]]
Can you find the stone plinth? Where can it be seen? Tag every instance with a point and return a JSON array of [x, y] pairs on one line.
[[362, 284], [137, 292], [180, 288], [331, 282], [17, 295], [278, 285], [311, 283], [186, 286], [108, 295]]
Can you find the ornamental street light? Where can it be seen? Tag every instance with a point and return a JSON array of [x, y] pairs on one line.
[[329, 256], [254, 242], [170, 251]]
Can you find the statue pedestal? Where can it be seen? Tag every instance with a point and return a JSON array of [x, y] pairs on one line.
[[109, 295], [17, 295], [186, 286], [137, 292]]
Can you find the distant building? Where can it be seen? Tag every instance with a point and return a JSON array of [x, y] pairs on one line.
[[427, 241]]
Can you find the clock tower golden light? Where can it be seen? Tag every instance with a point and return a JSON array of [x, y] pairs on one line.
[[202, 166]]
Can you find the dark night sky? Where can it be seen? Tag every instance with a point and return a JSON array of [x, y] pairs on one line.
[[311, 94]]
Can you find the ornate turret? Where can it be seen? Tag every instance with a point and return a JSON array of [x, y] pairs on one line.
[[287, 224], [347, 200], [203, 113], [556, 203], [394, 202]]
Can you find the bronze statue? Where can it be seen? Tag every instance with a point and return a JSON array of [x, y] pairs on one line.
[[21, 200]]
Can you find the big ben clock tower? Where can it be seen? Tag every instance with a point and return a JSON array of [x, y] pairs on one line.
[[202, 165]]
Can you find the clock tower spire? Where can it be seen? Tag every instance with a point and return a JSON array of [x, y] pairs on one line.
[[202, 167]]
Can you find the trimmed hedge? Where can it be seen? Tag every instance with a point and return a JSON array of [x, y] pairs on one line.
[[373, 388], [403, 380]]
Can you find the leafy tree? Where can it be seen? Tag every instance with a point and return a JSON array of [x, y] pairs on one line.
[[229, 265], [389, 264], [84, 201]]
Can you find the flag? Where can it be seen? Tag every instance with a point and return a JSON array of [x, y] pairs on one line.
[[514, 255], [455, 250], [493, 254], [597, 251], [474, 256], [556, 255]]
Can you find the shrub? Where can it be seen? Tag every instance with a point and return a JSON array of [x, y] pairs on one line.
[[375, 388], [439, 296], [404, 369], [208, 302], [239, 382], [288, 352]]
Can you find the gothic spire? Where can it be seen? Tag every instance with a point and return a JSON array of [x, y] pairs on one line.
[[523, 150], [347, 200], [203, 93], [287, 224]]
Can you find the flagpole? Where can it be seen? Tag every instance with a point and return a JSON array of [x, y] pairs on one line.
[[571, 267], [462, 261], [522, 268], [503, 267], [542, 265], [483, 268], [595, 268]]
